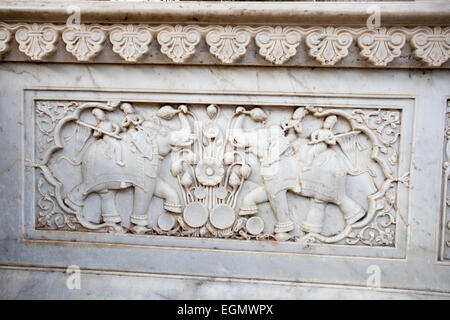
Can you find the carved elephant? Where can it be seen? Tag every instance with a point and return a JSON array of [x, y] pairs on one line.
[[141, 153]]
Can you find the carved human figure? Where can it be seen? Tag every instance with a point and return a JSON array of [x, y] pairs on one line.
[[320, 139], [132, 120], [142, 155], [109, 132]]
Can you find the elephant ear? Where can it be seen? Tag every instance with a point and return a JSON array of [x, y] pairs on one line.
[[83, 134], [144, 144]]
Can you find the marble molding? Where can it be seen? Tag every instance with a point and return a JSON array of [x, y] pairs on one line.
[[189, 147]]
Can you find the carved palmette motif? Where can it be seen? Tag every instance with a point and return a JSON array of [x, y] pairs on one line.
[[130, 42], [329, 45], [432, 45], [178, 43], [83, 41], [225, 162], [277, 44], [228, 43], [37, 40], [381, 46]]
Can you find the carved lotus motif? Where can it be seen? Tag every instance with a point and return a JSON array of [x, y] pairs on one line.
[[178, 43], [83, 41], [228, 43], [5, 37], [432, 45], [37, 40], [381, 46], [130, 42], [278, 44], [329, 45], [209, 171]]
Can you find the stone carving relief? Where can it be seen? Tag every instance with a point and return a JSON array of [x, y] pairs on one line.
[[381, 46], [446, 203], [83, 41], [37, 41], [329, 45], [130, 42], [306, 174], [278, 44], [432, 45]]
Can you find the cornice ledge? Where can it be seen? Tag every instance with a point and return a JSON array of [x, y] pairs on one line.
[[430, 13]]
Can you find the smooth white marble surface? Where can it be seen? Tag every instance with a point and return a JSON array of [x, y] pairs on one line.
[[33, 284]]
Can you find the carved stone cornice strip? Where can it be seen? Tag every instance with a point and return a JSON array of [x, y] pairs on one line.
[[327, 45]]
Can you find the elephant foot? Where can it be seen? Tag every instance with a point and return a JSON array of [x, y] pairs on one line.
[[310, 227], [281, 227], [282, 236], [112, 217], [137, 229]]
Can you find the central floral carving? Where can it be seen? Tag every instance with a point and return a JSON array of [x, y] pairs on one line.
[[209, 171]]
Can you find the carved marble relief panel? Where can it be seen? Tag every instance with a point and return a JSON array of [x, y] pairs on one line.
[[445, 222], [301, 174]]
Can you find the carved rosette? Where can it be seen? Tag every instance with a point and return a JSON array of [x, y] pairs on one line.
[[37, 40], [228, 43], [381, 46], [84, 41], [5, 38], [278, 44], [432, 45], [178, 43], [329, 45], [130, 42]]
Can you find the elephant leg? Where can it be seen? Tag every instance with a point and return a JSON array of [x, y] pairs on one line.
[[108, 207], [139, 217], [280, 207], [351, 210], [251, 199], [314, 218], [171, 200]]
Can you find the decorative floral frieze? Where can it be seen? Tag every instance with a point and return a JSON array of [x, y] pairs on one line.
[[329, 45], [37, 40], [84, 41], [381, 46], [278, 44], [130, 42], [178, 43], [228, 43], [432, 45]]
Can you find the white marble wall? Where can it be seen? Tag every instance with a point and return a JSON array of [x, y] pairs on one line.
[[415, 265]]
